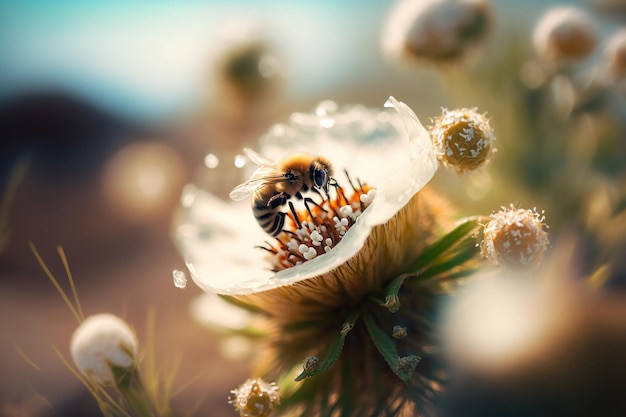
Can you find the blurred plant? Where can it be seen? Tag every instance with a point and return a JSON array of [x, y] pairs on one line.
[[563, 109], [106, 352], [535, 342], [105, 349], [565, 34], [8, 191], [348, 292], [242, 96], [435, 31], [574, 118], [615, 52]]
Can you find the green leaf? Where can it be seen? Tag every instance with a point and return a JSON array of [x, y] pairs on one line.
[[444, 244], [402, 367], [462, 254], [392, 301], [334, 349]]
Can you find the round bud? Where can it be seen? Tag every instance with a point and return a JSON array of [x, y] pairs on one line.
[[515, 237], [462, 139], [435, 31], [615, 51], [100, 342], [565, 34], [255, 398]]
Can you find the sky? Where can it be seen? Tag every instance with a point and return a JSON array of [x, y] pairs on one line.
[[149, 57]]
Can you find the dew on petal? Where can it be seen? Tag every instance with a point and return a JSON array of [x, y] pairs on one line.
[[180, 278], [211, 161], [240, 161], [188, 196]]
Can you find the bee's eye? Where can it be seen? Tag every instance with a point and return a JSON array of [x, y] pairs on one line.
[[319, 177]]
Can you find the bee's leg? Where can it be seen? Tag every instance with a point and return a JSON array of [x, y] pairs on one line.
[[308, 201], [268, 248], [331, 183], [323, 194], [295, 215], [278, 200], [289, 232]]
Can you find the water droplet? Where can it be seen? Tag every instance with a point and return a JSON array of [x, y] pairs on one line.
[[240, 161], [326, 107], [211, 160], [180, 278], [188, 196]]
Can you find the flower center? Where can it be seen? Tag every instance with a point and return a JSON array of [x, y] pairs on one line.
[[319, 226]]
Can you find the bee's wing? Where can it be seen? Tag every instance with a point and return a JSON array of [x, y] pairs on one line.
[[263, 175], [257, 158]]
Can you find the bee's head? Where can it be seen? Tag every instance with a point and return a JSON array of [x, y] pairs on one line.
[[321, 172]]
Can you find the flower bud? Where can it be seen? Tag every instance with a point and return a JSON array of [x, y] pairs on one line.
[[515, 237], [101, 342], [463, 139], [255, 398], [615, 51], [435, 31], [399, 332], [565, 34]]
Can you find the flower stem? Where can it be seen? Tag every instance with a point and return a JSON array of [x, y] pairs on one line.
[[129, 384]]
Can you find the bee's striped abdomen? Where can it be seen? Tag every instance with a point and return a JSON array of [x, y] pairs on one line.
[[270, 219]]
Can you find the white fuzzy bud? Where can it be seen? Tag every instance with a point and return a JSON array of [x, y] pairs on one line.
[[100, 342], [435, 31], [565, 33]]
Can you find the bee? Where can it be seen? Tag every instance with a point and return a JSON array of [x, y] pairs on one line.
[[274, 184]]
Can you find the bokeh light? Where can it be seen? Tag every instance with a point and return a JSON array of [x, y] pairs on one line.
[[143, 181]]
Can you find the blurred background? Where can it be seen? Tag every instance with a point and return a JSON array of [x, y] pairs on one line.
[[107, 109]]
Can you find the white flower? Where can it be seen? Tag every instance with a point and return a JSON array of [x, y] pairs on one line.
[[390, 150], [100, 342]]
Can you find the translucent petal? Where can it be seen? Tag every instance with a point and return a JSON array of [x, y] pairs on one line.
[[388, 149]]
